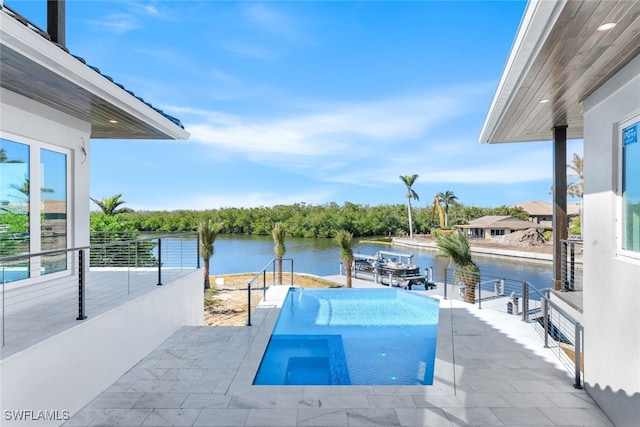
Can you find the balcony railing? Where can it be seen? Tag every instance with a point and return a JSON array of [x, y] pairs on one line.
[[95, 279], [572, 265], [558, 329]]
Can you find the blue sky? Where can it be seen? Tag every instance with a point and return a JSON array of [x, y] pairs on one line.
[[311, 102]]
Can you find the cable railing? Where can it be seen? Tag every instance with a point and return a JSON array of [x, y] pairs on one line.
[[87, 281], [559, 330], [262, 274], [571, 267]]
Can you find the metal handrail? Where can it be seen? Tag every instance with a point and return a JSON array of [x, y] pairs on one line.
[[546, 307], [80, 270], [95, 246], [263, 272]]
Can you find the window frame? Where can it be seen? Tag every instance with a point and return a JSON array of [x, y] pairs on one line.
[[35, 201], [619, 142]]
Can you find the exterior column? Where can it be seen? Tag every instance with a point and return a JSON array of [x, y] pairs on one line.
[[56, 21], [560, 221]]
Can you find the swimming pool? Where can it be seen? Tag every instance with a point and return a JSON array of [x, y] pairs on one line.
[[352, 337]]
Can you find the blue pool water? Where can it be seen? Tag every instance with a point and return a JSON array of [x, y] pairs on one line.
[[352, 337]]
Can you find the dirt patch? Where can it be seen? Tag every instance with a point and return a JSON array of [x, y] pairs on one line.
[[541, 248], [226, 302], [523, 238]]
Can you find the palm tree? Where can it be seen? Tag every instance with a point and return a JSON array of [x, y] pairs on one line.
[[344, 240], [411, 194], [455, 246], [449, 199], [278, 234], [111, 204], [208, 230], [576, 189]]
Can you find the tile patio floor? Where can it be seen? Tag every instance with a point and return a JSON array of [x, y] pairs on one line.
[[491, 370]]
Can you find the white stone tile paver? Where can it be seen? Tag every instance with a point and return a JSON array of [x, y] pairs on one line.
[[321, 417], [171, 417], [491, 369]]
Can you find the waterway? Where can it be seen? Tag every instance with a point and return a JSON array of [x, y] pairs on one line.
[[241, 254]]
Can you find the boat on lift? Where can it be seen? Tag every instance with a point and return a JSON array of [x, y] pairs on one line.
[[391, 269]]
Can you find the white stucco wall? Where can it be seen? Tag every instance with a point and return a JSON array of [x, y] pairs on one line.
[[28, 122], [611, 282], [67, 371]]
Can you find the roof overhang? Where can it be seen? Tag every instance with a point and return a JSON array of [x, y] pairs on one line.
[[559, 58], [36, 68]]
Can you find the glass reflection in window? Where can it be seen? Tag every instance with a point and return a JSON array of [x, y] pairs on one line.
[[14, 209], [53, 215], [631, 188]]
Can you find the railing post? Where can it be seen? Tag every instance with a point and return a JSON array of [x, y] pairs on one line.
[[4, 285], [249, 304], [445, 282], [545, 314], [525, 302], [81, 286], [292, 272], [479, 292], [159, 262], [578, 356], [198, 250], [264, 285]]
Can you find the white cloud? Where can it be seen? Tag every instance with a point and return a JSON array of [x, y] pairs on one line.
[[118, 23], [268, 18], [246, 50], [370, 143], [328, 129]]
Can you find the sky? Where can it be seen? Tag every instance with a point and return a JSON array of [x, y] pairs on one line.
[[307, 102]]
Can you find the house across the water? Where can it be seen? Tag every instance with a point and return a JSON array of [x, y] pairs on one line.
[[490, 226], [541, 212]]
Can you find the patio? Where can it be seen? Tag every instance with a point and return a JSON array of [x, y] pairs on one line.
[[491, 369], [46, 316]]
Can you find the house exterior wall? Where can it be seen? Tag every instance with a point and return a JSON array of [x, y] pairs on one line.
[[24, 120], [28, 122], [611, 284]]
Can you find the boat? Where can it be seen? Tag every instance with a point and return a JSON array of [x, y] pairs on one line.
[[391, 269]]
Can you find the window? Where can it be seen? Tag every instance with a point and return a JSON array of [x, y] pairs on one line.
[[53, 211], [14, 209], [25, 198], [630, 211]]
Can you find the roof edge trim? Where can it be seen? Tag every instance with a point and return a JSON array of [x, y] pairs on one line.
[[537, 22]]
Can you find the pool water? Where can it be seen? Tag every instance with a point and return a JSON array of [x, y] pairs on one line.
[[352, 337]]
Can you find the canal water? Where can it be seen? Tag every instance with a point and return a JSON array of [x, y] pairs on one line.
[[241, 254]]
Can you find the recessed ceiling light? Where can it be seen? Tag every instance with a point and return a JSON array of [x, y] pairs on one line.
[[607, 26], [113, 121], [544, 101]]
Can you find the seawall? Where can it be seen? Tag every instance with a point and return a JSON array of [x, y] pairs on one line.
[[479, 250]]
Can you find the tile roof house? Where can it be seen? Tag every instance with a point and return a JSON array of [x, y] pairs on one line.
[[541, 212], [490, 226]]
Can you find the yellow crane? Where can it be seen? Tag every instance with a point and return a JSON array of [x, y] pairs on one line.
[[438, 208]]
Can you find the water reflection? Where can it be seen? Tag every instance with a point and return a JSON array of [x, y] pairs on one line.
[[240, 254]]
